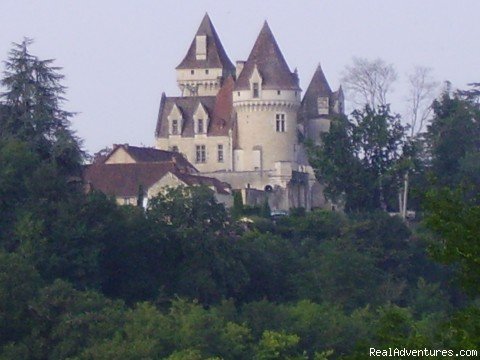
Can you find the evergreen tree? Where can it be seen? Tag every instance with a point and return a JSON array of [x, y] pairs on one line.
[[33, 108]]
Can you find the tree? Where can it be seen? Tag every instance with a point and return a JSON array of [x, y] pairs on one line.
[[455, 219], [420, 98], [359, 157], [472, 94], [237, 209], [453, 137], [19, 284], [378, 138], [368, 82], [200, 250], [33, 100], [279, 345], [421, 93], [337, 167]]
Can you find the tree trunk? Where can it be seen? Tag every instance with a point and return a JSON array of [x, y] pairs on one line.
[[405, 195]]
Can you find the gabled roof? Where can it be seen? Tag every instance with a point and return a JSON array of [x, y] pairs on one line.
[[152, 155], [318, 87], [219, 109], [216, 55], [271, 64], [124, 180]]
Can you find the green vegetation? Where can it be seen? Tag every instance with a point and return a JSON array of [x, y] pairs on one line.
[[82, 278]]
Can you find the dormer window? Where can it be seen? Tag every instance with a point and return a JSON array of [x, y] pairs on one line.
[[255, 90], [323, 105], [200, 119], [175, 121], [255, 83]]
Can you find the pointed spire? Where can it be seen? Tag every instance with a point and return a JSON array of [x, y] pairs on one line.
[[319, 84], [271, 64], [215, 56], [318, 88]]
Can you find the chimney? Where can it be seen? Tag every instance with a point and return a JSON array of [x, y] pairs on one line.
[[239, 67]]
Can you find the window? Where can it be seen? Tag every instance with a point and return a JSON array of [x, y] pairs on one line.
[[323, 104], [206, 71], [255, 90], [200, 155], [126, 201], [280, 122], [200, 128], [192, 72], [278, 92], [220, 152], [174, 148], [174, 127]]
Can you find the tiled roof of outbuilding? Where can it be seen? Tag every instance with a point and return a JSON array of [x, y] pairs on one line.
[[124, 180], [271, 64], [146, 154]]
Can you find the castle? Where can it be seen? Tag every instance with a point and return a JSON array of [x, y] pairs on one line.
[[244, 124]]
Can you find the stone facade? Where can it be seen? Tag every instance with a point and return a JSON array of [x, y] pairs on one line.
[[243, 124]]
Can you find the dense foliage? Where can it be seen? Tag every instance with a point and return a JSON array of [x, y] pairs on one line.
[[82, 278]]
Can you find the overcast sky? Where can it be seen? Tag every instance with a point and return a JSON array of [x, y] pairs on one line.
[[118, 56]]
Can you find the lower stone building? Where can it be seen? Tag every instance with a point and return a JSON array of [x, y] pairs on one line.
[[134, 174]]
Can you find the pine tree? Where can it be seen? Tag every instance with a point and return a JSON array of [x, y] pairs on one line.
[[33, 109]]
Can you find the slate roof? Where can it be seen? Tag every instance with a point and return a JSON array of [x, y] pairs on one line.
[[219, 109], [271, 64], [216, 55], [123, 180], [318, 87]]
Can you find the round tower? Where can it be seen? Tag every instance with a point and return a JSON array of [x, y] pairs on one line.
[[266, 100]]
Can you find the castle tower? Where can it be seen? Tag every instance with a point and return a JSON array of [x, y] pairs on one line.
[[206, 64], [319, 104], [266, 99]]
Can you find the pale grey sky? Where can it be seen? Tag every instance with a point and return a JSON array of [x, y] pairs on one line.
[[118, 56]]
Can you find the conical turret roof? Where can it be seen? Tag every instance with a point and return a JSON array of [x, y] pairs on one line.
[[216, 55], [271, 64], [318, 87]]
